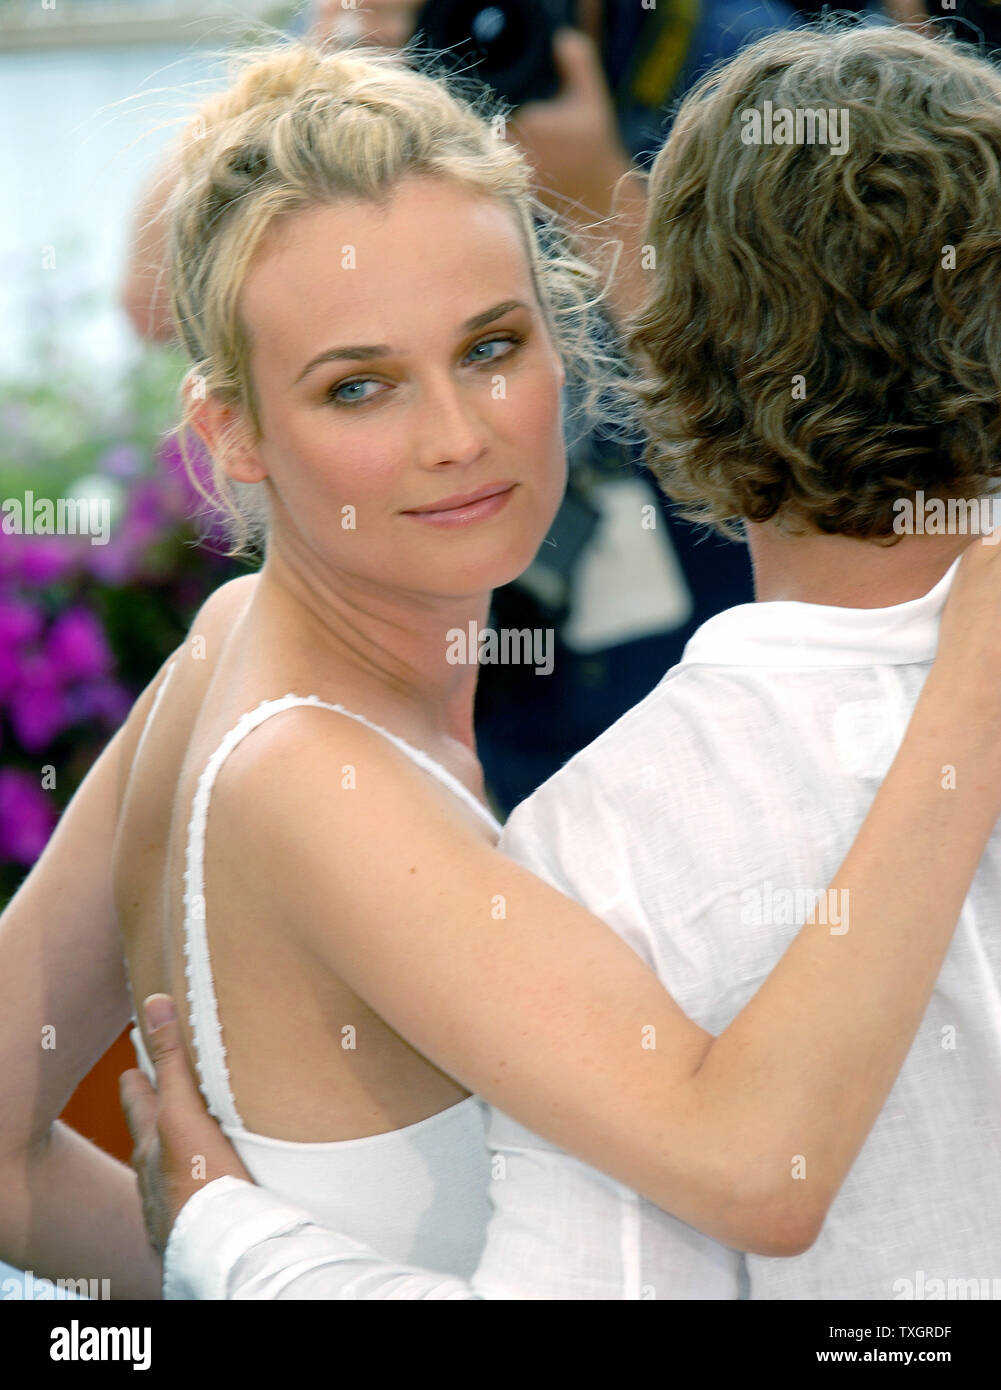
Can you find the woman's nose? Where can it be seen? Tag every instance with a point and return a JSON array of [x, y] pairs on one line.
[[450, 427]]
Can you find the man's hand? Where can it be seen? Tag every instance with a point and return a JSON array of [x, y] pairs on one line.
[[572, 140], [583, 172], [178, 1146]]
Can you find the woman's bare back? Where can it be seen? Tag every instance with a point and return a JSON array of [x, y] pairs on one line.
[[308, 1060]]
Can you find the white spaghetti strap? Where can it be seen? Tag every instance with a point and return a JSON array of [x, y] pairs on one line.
[[209, 1047]]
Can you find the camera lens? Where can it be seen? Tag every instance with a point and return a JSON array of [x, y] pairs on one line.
[[488, 25], [508, 43]]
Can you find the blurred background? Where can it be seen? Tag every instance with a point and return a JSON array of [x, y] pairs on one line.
[[89, 379]]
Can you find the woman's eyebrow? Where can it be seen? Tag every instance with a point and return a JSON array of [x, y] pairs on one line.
[[370, 351], [488, 315]]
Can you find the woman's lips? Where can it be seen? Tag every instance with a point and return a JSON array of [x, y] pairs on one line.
[[466, 512]]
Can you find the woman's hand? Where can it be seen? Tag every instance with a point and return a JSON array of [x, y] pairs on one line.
[[178, 1146]]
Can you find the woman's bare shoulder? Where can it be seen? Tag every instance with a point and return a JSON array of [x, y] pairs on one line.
[[314, 745], [316, 782], [211, 623], [221, 609]]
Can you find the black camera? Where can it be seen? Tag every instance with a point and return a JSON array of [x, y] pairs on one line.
[[507, 43]]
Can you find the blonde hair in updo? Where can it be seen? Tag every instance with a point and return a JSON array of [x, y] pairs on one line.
[[304, 124]]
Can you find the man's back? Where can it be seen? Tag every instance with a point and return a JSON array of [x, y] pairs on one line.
[[704, 826]]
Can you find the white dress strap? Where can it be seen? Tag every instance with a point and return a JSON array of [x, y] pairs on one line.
[[209, 1047]]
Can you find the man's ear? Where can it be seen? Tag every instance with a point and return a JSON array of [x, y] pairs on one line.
[[225, 433]]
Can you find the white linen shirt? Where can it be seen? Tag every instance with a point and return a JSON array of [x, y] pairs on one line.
[[689, 826]]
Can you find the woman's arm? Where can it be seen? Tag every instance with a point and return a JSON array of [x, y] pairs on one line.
[[531, 1001], [66, 1208]]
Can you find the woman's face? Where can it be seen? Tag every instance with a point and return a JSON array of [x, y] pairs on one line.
[[402, 362]]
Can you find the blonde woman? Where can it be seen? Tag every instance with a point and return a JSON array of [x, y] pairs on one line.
[[290, 832]]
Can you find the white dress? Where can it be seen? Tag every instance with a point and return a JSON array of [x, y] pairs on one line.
[[417, 1194]]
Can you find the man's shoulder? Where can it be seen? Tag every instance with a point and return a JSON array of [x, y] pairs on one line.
[[651, 732], [676, 744]]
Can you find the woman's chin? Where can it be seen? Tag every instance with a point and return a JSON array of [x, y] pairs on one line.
[[488, 564], [481, 580], [510, 565]]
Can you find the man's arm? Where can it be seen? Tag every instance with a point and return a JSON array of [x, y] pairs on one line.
[[237, 1241]]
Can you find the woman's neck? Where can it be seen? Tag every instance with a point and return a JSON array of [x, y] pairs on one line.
[[389, 648]]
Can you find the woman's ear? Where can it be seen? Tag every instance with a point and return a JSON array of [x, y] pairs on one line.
[[224, 432]]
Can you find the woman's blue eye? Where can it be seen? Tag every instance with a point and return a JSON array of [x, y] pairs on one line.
[[352, 386], [353, 392], [494, 342]]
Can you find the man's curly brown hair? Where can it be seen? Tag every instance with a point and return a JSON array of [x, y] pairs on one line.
[[784, 260]]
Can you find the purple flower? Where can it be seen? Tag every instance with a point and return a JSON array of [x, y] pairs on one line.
[[27, 817], [36, 705], [9, 668], [19, 622], [76, 646], [41, 560]]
